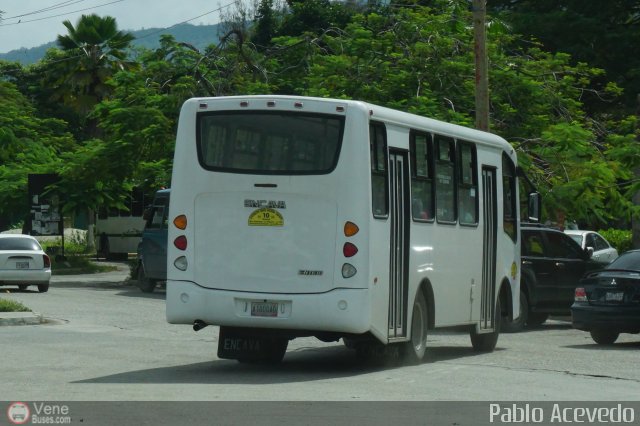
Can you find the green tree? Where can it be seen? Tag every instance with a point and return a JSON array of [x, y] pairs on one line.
[[607, 37], [420, 60], [28, 144], [94, 50]]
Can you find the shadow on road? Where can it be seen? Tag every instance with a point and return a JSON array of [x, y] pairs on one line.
[[620, 346], [300, 365]]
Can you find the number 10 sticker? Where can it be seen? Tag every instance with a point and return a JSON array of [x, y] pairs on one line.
[[265, 217]]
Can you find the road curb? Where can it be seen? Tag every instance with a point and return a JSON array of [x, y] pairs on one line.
[[21, 318]]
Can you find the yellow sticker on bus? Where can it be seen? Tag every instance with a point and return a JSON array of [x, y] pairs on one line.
[[265, 217]]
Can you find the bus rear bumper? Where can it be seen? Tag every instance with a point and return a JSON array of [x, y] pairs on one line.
[[339, 310]]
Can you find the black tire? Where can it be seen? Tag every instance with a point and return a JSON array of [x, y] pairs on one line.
[[604, 337], [23, 287], [43, 288], [519, 323], [413, 351], [536, 319], [486, 342], [144, 283]]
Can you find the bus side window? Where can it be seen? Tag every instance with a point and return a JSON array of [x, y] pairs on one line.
[[421, 177], [379, 162], [467, 184], [509, 197], [445, 179]]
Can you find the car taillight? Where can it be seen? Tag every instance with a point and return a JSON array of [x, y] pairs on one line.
[[47, 261], [580, 295]]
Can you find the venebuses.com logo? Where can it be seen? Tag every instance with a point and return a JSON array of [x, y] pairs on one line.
[[18, 413]]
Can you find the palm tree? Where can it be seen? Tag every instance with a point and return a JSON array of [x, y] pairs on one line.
[[95, 50]]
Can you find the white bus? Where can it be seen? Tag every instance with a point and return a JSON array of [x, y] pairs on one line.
[[119, 231], [297, 216]]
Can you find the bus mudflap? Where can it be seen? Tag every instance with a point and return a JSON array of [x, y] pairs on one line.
[[248, 345]]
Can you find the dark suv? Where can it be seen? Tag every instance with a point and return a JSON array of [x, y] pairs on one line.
[[552, 265]]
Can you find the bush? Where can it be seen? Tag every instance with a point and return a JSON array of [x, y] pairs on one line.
[[74, 244], [12, 306], [619, 238]]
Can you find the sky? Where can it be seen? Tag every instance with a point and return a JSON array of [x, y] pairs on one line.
[[30, 23]]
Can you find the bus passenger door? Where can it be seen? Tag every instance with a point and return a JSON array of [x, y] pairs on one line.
[[399, 242], [489, 222]]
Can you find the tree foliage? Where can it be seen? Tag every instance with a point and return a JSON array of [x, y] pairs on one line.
[[559, 110]]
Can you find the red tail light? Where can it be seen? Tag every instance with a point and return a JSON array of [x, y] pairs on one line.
[[180, 242], [580, 295], [47, 261], [349, 250]]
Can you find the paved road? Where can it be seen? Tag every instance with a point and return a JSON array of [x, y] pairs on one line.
[[107, 341]]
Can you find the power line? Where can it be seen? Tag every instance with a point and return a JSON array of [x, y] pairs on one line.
[[62, 14], [46, 9], [188, 20], [152, 33]]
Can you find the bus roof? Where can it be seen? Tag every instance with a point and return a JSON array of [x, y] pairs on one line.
[[387, 115]]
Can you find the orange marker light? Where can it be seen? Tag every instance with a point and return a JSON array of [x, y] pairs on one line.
[[180, 222], [350, 229]]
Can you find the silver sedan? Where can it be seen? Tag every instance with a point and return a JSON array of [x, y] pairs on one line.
[[603, 252], [23, 262]]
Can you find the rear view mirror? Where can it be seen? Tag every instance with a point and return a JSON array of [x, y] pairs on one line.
[[534, 207]]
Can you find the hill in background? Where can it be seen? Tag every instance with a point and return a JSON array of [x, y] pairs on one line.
[[200, 36]]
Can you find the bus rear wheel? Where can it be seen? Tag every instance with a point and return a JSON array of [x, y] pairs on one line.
[[486, 342], [414, 350]]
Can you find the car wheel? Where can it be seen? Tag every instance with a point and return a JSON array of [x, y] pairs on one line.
[[413, 351], [536, 319], [43, 288], [604, 337], [518, 323], [23, 287], [486, 342], [144, 283]]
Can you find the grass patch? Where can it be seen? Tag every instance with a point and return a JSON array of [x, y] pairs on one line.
[[78, 265], [12, 306]]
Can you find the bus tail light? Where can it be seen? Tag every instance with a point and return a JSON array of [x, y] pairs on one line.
[[181, 263], [348, 270], [180, 222], [350, 229], [47, 261], [580, 295], [180, 242], [349, 250]]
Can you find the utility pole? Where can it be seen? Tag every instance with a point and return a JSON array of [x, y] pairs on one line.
[[482, 69], [635, 220]]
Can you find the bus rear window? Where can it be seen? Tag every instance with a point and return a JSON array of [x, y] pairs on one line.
[[269, 142]]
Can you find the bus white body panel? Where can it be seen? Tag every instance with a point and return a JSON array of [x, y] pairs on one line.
[[268, 250]]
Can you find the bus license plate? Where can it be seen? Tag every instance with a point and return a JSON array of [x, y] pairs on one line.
[[264, 309], [22, 265], [614, 296]]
